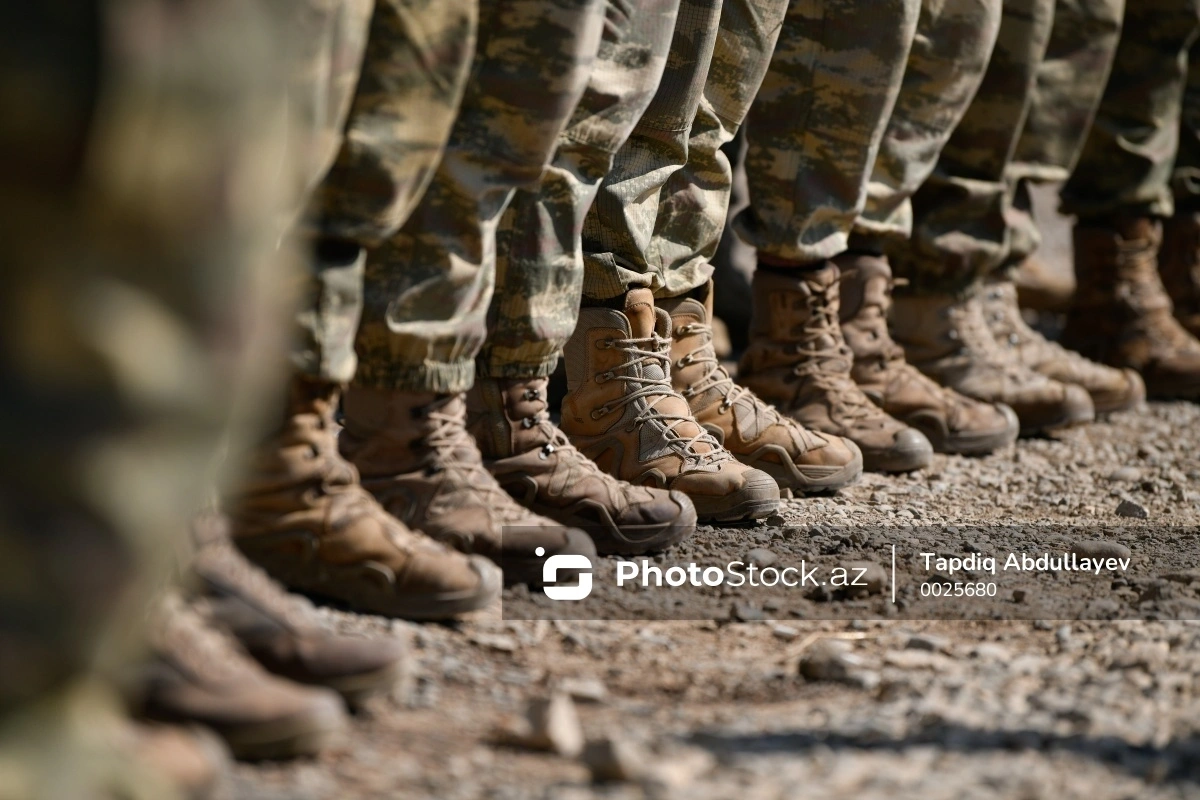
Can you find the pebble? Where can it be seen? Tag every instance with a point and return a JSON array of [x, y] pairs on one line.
[[785, 632], [1125, 474], [927, 641], [552, 724], [875, 577], [1128, 508], [831, 660], [761, 557], [585, 690], [495, 641], [614, 758], [1100, 549]]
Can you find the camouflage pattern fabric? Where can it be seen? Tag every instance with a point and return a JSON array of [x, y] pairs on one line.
[[946, 65], [1127, 159], [539, 256], [815, 129], [1185, 180], [960, 232], [429, 286], [660, 212], [140, 152]]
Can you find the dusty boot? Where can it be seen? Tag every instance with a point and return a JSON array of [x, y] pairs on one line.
[[416, 456], [283, 632], [303, 516], [194, 760], [947, 338], [1041, 288], [953, 422], [799, 460], [1122, 315], [798, 361], [621, 411], [197, 674], [1110, 389], [535, 463], [1179, 265]]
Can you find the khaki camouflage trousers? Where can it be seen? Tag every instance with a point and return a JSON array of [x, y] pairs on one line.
[[539, 257], [960, 228], [401, 72], [429, 286], [1128, 158], [659, 214], [140, 153]]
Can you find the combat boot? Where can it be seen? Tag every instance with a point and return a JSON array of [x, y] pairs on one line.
[[1110, 389], [1122, 315], [946, 337], [757, 434], [1179, 265], [303, 516], [197, 674], [1041, 288], [621, 411], [416, 457], [953, 422], [798, 361], [536, 463], [283, 632]]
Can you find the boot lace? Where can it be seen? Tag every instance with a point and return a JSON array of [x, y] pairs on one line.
[[1143, 292], [654, 352], [715, 375], [819, 361]]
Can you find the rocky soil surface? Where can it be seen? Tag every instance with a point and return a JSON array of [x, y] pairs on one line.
[[776, 698]]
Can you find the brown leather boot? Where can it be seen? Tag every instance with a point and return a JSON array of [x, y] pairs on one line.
[[621, 411], [799, 460], [1179, 265], [947, 338], [953, 422], [283, 632], [415, 455], [798, 361], [536, 463], [1110, 389], [1041, 288], [302, 515], [197, 674], [1122, 315]]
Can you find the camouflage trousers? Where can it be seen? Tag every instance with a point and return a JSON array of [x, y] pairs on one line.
[[1128, 157], [659, 214], [382, 94], [960, 229], [539, 257], [139, 213], [428, 287], [1070, 83]]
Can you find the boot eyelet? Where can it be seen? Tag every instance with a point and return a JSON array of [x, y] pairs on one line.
[[604, 344], [527, 422], [597, 413]]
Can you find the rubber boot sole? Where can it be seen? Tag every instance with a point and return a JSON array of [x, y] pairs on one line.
[[809, 478], [970, 443], [758, 498], [612, 539]]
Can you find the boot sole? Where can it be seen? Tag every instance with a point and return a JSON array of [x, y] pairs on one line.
[[898, 459], [528, 571], [757, 499], [972, 444], [808, 479], [1069, 419], [612, 539], [305, 735]]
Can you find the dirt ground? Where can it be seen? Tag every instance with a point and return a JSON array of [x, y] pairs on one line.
[[1064, 685]]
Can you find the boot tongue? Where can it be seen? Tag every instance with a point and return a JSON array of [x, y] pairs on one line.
[[639, 309]]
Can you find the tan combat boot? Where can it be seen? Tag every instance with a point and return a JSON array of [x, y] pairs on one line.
[[621, 411], [953, 422], [1122, 315], [197, 674], [798, 361], [535, 463], [799, 460], [415, 455], [1041, 288], [302, 515], [283, 632], [1179, 265], [1110, 389], [946, 337]]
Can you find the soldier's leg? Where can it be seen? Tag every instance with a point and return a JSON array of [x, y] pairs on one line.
[[814, 132], [429, 286], [1120, 190], [1180, 260], [141, 311]]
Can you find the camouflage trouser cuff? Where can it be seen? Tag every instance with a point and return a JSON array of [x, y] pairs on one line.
[[310, 365], [604, 279], [491, 365], [871, 237], [432, 376]]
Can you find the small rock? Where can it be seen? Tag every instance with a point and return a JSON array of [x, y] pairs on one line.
[[1125, 474], [615, 759], [495, 641], [585, 690], [553, 725], [785, 632], [1063, 635], [744, 612], [872, 580], [1020, 595], [929, 642], [1145, 655], [1128, 508], [761, 557], [831, 660], [775, 520], [1097, 548], [1184, 576], [678, 767]]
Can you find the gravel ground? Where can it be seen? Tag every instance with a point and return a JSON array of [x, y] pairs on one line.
[[1062, 686]]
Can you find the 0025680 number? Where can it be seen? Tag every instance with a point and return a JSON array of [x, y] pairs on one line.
[[967, 589]]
